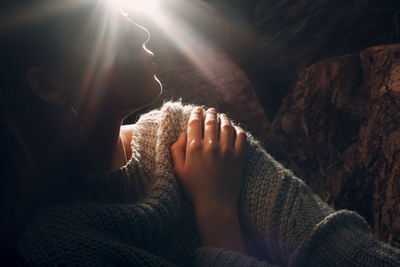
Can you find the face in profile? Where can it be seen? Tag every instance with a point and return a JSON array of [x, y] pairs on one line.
[[106, 65]]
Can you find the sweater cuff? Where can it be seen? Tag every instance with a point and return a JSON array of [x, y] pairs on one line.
[[209, 256], [344, 238]]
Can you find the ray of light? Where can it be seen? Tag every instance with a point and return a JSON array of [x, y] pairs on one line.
[[148, 7], [191, 43], [194, 46], [101, 60]]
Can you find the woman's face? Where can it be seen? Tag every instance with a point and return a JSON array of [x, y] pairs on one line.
[[106, 67]]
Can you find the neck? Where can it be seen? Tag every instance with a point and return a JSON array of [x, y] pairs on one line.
[[100, 146]]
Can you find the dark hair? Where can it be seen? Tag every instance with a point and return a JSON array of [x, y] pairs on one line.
[[29, 142]]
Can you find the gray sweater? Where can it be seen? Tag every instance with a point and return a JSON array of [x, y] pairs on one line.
[[139, 216]]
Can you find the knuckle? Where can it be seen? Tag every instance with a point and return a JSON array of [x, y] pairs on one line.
[[210, 122], [241, 134], [211, 148], [198, 110], [226, 127], [196, 114], [212, 110], [224, 116], [225, 120], [193, 122], [194, 145]]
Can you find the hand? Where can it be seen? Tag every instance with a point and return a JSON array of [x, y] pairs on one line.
[[210, 167], [210, 170]]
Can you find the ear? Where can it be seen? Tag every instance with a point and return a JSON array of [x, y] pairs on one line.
[[44, 87]]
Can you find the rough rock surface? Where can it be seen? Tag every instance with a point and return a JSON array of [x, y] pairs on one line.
[[339, 130], [275, 38]]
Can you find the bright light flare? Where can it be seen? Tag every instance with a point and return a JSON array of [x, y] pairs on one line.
[[150, 8]]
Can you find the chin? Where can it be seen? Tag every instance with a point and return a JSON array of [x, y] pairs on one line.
[[154, 90], [159, 86], [150, 93]]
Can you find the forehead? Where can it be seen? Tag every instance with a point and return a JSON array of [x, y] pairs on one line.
[[85, 26]]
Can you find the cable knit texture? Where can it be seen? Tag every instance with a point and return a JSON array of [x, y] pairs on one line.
[[138, 215]]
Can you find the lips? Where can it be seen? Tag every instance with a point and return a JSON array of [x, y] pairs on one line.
[[140, 62], [151, 62], [152, 66]]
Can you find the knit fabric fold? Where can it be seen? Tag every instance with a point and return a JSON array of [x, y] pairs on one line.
[[138, 215]]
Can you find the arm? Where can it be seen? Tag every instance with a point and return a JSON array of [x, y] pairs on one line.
[[220, 228], [290, 223], [210, 256], [84, 235]]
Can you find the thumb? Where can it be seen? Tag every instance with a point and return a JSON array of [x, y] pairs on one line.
[[178, 151]]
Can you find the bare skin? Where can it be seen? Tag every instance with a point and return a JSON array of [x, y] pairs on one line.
[[126, 136], [210, 170]]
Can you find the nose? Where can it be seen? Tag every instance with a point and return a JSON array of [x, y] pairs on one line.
[[134, 34]]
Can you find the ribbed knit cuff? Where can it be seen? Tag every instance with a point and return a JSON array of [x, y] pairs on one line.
[[344, 239], [208, 256]]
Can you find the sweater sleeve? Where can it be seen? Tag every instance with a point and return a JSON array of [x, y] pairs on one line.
[[293, 226], [289, 224], [92, 235], [345, 242], [208, 256], [344, 238]]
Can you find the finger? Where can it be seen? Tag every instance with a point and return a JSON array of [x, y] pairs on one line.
[[211, 126], [226, 133], [240, 142], [178, 151], [194, 124]]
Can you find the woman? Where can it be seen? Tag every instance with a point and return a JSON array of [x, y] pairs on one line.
[[182, 186], [67, 80]]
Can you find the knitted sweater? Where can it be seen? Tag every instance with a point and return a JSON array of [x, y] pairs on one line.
[[139, 216]]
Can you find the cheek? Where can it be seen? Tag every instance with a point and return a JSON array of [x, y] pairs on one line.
[[130, 90]]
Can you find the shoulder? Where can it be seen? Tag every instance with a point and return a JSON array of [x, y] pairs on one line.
[[126, 134], [79, 234], [172, 115], [170, 110], [127, 131]]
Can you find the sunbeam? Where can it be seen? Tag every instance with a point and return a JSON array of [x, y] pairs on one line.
[[147, 7], [182, 31], [185, 34]]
